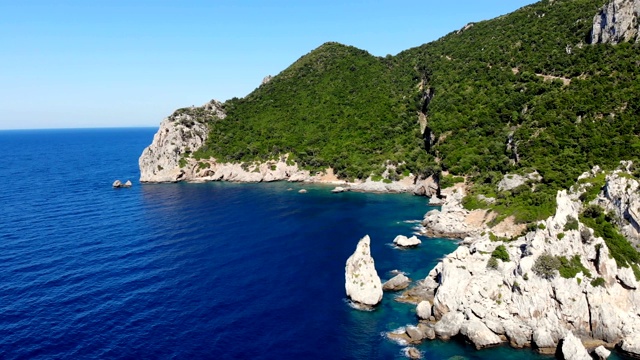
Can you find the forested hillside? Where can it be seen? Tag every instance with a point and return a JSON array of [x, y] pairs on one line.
[[522, 92]]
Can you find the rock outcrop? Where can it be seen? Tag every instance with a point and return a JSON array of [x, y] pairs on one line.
[[119, 184], [513, 301], [452, 220], [405, 242], [184, 131], [362, 282], [572, 349], [616, 22], [168, 159]]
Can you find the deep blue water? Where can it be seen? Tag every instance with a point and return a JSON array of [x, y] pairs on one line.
[[219, 271]]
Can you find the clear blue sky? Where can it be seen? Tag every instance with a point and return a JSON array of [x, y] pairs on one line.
[[131, 63]]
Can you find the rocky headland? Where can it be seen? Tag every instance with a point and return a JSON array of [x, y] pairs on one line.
[[169, 159], [557, 287]]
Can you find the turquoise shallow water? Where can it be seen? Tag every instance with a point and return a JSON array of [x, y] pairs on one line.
[[220, 271]]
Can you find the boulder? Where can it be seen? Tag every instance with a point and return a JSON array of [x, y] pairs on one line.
[[338, 189], [479, 334], [403, 241], [302, 191], [117, 184], [449, 325], [601, 352], [396, 283], [362, 283], [423, 310], [572, 348], [627, 278], [127, 184], [415, 334]]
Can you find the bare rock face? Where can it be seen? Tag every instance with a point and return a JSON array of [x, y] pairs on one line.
[[616, 22], [479, 334], [184, 131], [362, 282], [621, 196], [572, 349]]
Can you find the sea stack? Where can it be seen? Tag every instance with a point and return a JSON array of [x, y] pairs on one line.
[[362, 282]]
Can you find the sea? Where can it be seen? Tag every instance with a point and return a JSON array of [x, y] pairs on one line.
[[192, 271]]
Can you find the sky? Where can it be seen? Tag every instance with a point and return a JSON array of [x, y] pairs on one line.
[[78, 64]]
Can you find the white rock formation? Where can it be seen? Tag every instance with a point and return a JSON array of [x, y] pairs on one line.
[[396, 283], [362, 282], [572, 348], [403, 241], [601, 352], [423, 310], [451, 220], [620, 196], [516, 305], [616, 22], [180, 133], [512, 181]]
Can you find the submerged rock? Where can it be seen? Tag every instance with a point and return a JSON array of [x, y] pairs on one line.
[[338, 189], [362, 283], [302, 191], [396, 283], [403, 241], [412, 353]]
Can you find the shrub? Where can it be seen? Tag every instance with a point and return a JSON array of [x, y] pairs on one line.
[[546, 266], [501, 253], [602, 224], [448, 181], [492, 263], [597, 282], [572, 224], [569, 269], [560, 236], [541, 226]]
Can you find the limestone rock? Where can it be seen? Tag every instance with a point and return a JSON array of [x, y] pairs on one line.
[[127, 184], [631, 346], [616, 22], [449, 325], [178, 135], [601, 352], [415, 334], [423, 310], [397, 283], [572, 348], [338, 189], [511, 181], [627, 278], [479, 334], [302, 191], [362, 283], [403, 241], [117, 184], [266, 79]]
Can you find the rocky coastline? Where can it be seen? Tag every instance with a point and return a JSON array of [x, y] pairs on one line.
[[490, 303], [167, 159]]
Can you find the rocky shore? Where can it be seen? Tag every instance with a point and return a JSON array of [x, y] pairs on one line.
[[167, 159], [511, 300]]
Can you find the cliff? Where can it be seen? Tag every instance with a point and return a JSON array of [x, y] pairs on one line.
[[617, 22], [560, 278]]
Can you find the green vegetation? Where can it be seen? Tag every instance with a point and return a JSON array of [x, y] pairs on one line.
[[571, 224], [494, 237], [492, 263], [546, 266], [597, 282], [501, 253], [570, 268], [595, 185], [560, 236], [448, 181], [515, 94], [619, 247]]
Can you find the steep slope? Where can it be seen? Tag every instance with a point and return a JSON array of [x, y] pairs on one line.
[[527, 92], [336, 107]]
